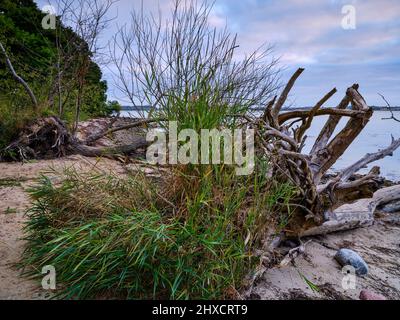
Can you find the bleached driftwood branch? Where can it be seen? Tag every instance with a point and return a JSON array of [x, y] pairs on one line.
[[319, 194]]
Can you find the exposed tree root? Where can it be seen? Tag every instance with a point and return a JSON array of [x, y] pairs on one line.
[[282, 143], [49, 138]]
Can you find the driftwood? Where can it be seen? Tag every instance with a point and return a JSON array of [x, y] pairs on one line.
[[293, 254], [108, 131], [50, 138], [282, 142], [357, 214], [392, 116]]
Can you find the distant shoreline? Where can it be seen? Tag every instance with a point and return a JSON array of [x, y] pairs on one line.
[[374, 108], [143, 108]]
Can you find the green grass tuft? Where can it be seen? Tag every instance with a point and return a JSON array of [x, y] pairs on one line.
[[130, 238]]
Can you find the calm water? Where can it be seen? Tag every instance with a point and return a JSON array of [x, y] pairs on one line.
[[376, 135]]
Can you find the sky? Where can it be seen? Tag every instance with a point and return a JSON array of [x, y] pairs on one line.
[[337, 47]]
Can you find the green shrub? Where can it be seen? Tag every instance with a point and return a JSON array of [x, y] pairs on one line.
[[131, 238]]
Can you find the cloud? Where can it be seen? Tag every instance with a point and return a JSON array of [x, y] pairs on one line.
[[309, 33]]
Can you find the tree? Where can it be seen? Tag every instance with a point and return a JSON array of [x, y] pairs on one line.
[[88, 19], [48, 61]]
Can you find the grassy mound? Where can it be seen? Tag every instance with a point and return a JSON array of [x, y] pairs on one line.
[[180, 236]]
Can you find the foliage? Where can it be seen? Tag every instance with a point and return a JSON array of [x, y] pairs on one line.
[[134, 238], [33, 53]]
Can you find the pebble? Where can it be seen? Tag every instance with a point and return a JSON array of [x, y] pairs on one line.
[[349, 257], [369, 295]]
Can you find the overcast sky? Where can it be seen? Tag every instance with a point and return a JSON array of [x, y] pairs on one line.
[[309, 34]]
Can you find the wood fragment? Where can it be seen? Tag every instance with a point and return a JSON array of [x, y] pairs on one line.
[[283, 117], [282, 98], [293, 254]]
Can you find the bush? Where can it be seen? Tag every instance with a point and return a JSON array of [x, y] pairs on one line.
[[131, 238], [193, 231]]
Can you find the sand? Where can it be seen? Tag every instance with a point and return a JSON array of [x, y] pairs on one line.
[[378, 245]]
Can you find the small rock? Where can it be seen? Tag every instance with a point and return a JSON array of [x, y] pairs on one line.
[[349, 257], [369, 295]]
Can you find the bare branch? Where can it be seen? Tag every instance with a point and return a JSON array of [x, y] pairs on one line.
[[283, 117], [279, 104], [330, 126], [392, 117], [302, 129], [18, 78], [327, 156], [368, 158]]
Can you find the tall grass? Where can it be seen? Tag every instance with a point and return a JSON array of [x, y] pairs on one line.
[[108, 236], [192, 233]]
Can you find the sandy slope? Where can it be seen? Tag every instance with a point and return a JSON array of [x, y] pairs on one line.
[[379, 245], [11, 285]]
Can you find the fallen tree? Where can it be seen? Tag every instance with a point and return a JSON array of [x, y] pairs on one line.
[[50, 138]]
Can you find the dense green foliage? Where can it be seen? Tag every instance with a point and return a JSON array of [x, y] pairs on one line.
[[33, 53]]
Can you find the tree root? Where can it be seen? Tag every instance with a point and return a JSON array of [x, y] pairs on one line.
[[49, 137], [282, 143]]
